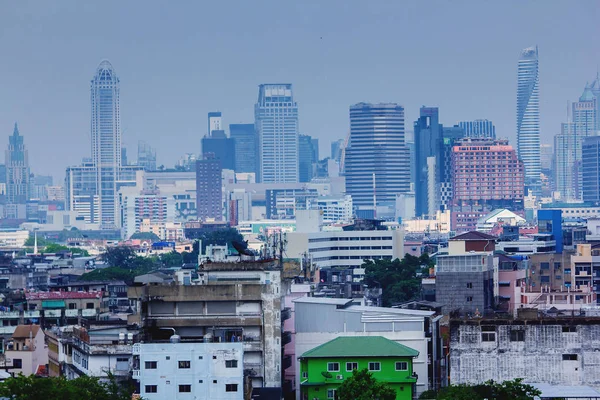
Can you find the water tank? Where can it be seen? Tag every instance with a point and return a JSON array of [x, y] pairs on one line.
[[130, 337], [121, 336], [175, 339]]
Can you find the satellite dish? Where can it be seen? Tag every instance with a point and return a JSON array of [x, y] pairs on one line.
[[242, 248]]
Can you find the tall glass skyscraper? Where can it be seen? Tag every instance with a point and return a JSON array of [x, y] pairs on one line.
[[276, 121], [480, 128], [106, 140], [17, 169], [528, 118], [377, 159]]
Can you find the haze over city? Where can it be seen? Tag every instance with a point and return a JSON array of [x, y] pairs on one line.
[[178, 61]]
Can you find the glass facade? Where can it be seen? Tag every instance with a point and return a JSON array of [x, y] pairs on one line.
[[480, 128], [246, 147], [17, 170]]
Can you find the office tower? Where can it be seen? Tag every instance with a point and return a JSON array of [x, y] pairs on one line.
[[146, 156], [528, 118], [336, 149], [276, 121], [480, 128], [305, 158], [221, 147], [245, 146], [106, 140], [595, 88], [591, 169], [585, 113], [429, 143], [17, 170], [377, 160], [486, 175], [546, 162], [209, 188], [80, 191], [315, 147], [215, 122]]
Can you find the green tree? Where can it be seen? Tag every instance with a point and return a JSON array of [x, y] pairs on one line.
[[119, 256], [146, 236], [172, 259], [399, 279], [507, 390], [363, 386]]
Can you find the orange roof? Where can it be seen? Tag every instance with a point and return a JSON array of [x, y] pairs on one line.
[[23, 331]]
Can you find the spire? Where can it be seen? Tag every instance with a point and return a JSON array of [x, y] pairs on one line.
[[16, 130]]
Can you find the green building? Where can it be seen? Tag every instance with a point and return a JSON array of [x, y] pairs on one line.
[[324, 368]]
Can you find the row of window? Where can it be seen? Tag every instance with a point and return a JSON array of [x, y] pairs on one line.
[[186, 364], [230, 387], [373, 366]]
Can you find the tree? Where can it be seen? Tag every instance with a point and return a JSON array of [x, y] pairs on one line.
[[172, 259], [119, 256], [398, 279], [30, 387], [145, 236], [363, 386], [507, 390]]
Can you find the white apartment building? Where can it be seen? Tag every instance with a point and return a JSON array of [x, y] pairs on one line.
[[333, 208], [13, 237], [179, 371]]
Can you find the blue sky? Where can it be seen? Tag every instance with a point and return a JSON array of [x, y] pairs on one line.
[[179, 60]]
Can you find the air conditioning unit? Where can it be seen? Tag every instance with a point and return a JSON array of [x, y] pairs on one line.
[[340, 377]]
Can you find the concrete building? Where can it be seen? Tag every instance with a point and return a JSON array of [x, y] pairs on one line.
[[464, 278], [146, 156], [276, 121], [333, 208], [499, 216], [552, 350], [319, 320], [209, 189], [181, 371], [143, 208], [283, 203], [306, 158], [13, 237], [376, 164], [26, 350], [221, 147], [222, 302]]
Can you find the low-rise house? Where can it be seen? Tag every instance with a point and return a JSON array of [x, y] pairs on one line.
[[63, 308], [26, 350], [324, 368]]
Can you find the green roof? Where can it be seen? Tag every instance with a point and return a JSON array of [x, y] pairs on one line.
[[360, 346]]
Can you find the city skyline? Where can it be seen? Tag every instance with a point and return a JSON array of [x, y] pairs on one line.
[[166, 112]]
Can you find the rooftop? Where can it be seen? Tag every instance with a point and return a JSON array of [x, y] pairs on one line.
[[360, 346], [23, 331], [62, 295], [474, 235]]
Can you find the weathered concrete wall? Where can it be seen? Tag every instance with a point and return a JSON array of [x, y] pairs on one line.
[[557, 353]]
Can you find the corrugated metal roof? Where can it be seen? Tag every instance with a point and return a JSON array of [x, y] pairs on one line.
[[568, 392], [323, 300], [360, 346]]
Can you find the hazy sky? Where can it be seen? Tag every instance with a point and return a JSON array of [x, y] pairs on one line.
[[178, 60]]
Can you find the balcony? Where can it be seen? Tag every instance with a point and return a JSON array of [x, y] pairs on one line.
[[88, 313], [31, 314], [136, 349], [9, 314], [135, 374], [52, 313], [286, 314], [286, 337], [71, 313]]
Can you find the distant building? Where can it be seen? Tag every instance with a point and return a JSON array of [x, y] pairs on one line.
[[306, 159], [528, 117], [17, 170], [283, 203], [215, 122], [377, 159], [479, 128], [146, 156], [189, 370], [591, 169], [26, 350], [390, 363], [336, 149], [245, 144], [276, 121], [145, 211], [221, 147], [209, 189]]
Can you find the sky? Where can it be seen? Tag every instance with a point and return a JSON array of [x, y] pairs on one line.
[[177, 61]]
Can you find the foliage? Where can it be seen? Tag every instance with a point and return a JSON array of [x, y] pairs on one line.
[[398, 279], [42, 241], [507, 390], [119, 256], [146, 236], [172, 259], [124, 265], [363, 386], [31, 387], [55, 248], [221, 237]]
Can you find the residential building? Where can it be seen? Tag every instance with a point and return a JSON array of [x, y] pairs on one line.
[[479, 128], [528, 117], [209, 189], [333, 208], [590, 169], [464, 278], [500, 216], [146, 156], [376, 158], [582, 210], [64, 308], [81, 193], [276, 121], [320, 320], [544, 349], [13, 237], [245, 143], [221, 147], [326, 367], [17, 169], [283, 203], [26, 350], [145, 208], [189, 370], [221, 302]]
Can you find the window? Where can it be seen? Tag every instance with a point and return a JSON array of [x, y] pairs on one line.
[[569, 357], [231, 387], [215, 381], [72, 306], [517, 336], [200, 381], [17, 363], [231, 364], [488, 334], [469, 299], [569, 329], [331, 393], [305, 375], [89, 306], [150, 364], [333, 367], [351, 366], [151, 389], [374, 366], [470, 285], [185, 388], [545, 265], [184, 364], [401, 366]]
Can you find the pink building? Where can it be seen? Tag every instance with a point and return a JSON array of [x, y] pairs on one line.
[[297, 291], [26, 350]]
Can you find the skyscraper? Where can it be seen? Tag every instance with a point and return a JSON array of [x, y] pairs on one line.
[[221, 147], [17, 170], [336, 149], [591, 169], [276, 121], [480, 128], [245, 144], [377, 161], [528, 117], [215, 122], [106, 140], [209, 188], [146, 156], [305, 158]]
